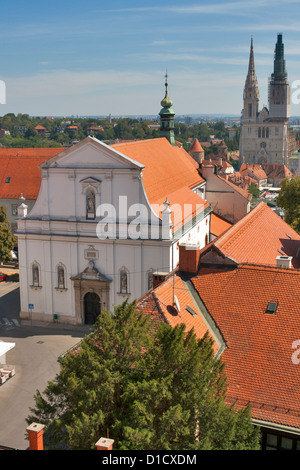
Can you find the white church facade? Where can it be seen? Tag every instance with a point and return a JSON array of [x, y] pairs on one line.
[[106, 218]]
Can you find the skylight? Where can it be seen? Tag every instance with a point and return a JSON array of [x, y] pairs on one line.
[[191, 311], [272, 307], [7, 180]]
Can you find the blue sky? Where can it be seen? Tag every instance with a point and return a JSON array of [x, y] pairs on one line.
[[100, 57]]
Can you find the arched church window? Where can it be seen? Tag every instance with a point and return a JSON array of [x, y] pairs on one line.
[[259, 132], [267, 132], [90, 204], [263, 133]]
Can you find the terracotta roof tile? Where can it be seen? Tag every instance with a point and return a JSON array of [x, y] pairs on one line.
[[259, 350], [170, 172], [253, 170], [241, 191], [259, 238], [276, 170], [196, 146], [160, 304], [20, 168], [218, 225]]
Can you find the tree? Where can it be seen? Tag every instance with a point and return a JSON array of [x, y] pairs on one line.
[[85, 398], [289, 200], [254, 190], [7, 239], [178, 401], [151, 389]]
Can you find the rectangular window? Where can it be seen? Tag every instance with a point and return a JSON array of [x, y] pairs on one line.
[[286, 444], [271, 442], [14, 209]]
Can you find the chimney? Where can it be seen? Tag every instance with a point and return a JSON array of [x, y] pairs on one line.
[[284, 261], [189, 256], [207, 171], [104, 444], [158, 278], [35, 434]]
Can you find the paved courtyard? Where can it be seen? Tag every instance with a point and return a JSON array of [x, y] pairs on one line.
[[35, 357]]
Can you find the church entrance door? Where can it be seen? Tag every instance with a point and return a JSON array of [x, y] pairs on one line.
[[91, 308]]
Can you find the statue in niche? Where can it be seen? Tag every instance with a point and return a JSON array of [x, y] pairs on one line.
[[123, 281], [90, 204], [61, 277], [35, 275]]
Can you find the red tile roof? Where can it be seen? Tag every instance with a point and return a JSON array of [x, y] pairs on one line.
[[160, 305], [253, 170], [196, 146], [243, 192], [276, 170], [218, 225], [259, 238], [259, 350], [170, 172], [21, 166]]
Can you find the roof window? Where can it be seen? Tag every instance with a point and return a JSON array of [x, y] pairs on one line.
[[7, 180], [272, 307], [191, 311]]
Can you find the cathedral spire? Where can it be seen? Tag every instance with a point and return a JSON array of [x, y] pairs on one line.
[[251, 80], [251, 68], [167, 116], [251, 91]]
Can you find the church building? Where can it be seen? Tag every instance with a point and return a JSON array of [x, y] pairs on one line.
[[265, 134], [107, 221]]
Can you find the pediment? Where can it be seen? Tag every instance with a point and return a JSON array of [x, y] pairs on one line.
[[91, 273], [91, 153], [91, 180]]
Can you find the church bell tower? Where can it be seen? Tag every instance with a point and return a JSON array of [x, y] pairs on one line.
[[279, 89], [167, 116]]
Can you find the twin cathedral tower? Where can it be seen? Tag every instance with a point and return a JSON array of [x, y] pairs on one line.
[[265, 136]]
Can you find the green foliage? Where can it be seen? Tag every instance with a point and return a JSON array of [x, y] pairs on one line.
[[151, 389], [253, 189], [289, 200], [7, 239], [23, 133]]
